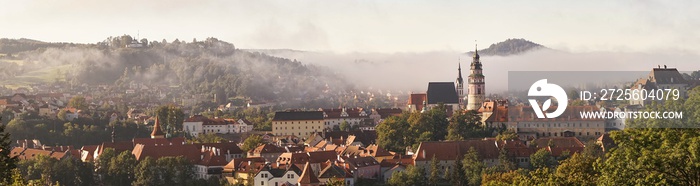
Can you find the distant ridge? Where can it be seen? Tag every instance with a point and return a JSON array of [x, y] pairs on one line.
[[509, 47]]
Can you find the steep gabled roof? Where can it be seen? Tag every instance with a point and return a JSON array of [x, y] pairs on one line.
[[442, 92], [308, 176], [157, 132], [334, 171]]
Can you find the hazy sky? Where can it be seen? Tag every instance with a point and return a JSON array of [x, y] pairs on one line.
[[366, 26]]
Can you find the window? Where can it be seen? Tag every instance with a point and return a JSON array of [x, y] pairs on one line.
[[262, 182]]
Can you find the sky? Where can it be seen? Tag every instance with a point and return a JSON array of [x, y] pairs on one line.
[[366, 26]]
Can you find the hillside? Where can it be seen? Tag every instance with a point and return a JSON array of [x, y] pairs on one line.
[[509, 47], [199, 67]]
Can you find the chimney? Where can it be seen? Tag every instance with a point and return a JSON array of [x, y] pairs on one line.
[[423, 154]]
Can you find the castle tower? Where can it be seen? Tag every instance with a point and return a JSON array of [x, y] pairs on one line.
[[460, 86], [157, 132], [477, 88]]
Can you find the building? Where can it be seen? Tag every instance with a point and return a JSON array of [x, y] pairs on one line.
[[660, 79], [523, 121], [494, 114], [267, 151], [299, 123], [379, 114], [273, 175], [335, 117], [446, 152], [198, 124], [477, 87], [442, 93], [460, 86], [157, 131], [416, 102]]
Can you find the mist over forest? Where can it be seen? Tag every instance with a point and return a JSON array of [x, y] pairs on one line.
[[207, 67], [217, 67]]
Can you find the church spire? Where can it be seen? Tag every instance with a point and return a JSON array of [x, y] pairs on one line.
[[157, 132], [459, 74]]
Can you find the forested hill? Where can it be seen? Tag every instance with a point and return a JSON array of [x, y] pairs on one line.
[[509, 47], [208, 67]]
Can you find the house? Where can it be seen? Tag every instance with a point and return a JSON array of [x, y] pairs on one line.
[[198, 124], [273, 175], [267, 151], [298, 123], [87, 153], [518, 151], [559, 146], [239, 170], [307, 177], [446, 152], [416, 102], [524, 122], [380, 114], [335, 117], [333, 172], [362, 167], [660, 79]]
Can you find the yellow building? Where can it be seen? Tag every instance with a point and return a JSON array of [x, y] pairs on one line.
[[298, 123]]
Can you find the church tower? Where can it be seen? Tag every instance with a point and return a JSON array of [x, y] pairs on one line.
[[157, 132], [460, 86], [477, 88]]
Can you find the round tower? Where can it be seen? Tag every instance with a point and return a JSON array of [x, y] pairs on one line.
[[477, 87]]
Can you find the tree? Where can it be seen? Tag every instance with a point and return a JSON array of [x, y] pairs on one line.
[[147, 172], [413, 175], [577, 170], [208, 138], [251, 142], [176, 170], [78, 102], [17, 178], [507, 135], [7, 162], [457, 175], [393, 133], [122, 168], [62, 114], [463, 125], [542, 158], [171, 117], [344, 126], [434, 177], [473, 167]]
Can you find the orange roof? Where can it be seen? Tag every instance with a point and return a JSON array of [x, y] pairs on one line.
[[159, 141], [452, 150], [308, 176], [156, 130], [189, 151], [211, 159]]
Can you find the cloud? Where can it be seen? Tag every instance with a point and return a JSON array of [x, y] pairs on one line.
[[413, 71]]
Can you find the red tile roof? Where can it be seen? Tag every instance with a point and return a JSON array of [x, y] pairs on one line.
[[452, 150], [308, 176], [189, 151], [156, 130]]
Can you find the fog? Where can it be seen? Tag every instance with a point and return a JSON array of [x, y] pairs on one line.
[[413, 71]]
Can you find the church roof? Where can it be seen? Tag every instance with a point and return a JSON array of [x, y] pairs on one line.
[[308, 176], [442, 92], [666, 76], [156, 129]]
